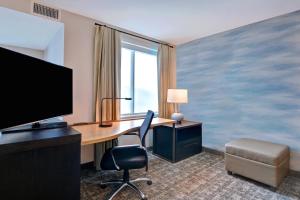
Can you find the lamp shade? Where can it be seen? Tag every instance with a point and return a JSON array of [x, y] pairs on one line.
[[177, 96]]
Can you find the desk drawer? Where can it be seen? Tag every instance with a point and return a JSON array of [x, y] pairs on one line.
[[188, 148], [188, 133]]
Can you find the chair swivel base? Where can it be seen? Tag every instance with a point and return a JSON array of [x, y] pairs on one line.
[[126, 182]]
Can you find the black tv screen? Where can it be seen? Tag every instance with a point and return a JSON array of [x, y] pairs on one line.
[[32, 89]]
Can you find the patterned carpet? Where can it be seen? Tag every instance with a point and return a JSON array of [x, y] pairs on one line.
[[199, 177]]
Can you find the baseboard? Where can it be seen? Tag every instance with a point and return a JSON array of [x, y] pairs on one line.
[[295, 161], [294, 173], [88, 165], [149, 148], [213, 151]]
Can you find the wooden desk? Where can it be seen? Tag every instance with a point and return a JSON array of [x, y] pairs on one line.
[[91, 134]]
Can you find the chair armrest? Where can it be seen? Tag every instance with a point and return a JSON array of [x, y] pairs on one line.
[[146, 156], [114, 160], [126, 147], [132, 133]]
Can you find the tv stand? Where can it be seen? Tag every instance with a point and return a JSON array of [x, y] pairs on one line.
[[40, 165], [36, 126]]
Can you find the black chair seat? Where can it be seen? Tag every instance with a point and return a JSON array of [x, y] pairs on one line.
[[132, 157]]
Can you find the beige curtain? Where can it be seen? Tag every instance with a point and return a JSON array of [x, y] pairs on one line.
[[167, 78], [107, 69]]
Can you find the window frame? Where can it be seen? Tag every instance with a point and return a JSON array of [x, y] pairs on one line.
[[143, 49]]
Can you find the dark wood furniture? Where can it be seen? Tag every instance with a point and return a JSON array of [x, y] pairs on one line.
[[40, 164], [177, 142]]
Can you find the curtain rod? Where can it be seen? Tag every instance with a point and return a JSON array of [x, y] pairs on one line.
[[134, 35]]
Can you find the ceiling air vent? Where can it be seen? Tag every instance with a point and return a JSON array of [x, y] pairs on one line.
[[45, 11]]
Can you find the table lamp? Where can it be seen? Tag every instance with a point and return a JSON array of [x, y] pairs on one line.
[[108, 123], [177, 96]]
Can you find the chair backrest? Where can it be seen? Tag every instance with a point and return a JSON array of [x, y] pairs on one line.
[[145, 126]]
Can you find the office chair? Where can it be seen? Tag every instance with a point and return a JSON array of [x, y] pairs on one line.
[[128, 157]]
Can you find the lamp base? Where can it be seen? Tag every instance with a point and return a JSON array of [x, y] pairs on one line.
[[105, 124], [178, 117]]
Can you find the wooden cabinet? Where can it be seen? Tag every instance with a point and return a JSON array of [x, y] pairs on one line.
[[40, 165], [177, 142]]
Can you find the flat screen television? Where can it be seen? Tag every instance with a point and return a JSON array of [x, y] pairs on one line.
[[32, 89]]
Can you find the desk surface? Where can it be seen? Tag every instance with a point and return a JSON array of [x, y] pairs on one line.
[[91, 134]]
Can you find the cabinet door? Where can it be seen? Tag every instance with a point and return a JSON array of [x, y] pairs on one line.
[[187, 134], [162, 142], [188, 142], [42, 174]]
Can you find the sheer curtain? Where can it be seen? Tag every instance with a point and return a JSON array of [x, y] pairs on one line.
[[167, 78], [107, 69]]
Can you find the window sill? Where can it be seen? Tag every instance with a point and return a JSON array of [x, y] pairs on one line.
[[135, 116]]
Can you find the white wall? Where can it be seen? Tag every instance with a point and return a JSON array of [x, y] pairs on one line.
[[55, 50], [30, 52], [79, 45]]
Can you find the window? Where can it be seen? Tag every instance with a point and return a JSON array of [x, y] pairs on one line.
[[138, 80]]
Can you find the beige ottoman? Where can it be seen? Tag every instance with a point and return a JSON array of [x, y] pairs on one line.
[[258, 160]]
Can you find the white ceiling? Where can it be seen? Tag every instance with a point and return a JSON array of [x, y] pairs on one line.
[[24, 30], [178, 21]]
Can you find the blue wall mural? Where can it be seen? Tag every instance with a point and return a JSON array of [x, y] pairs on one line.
[[245, 82]]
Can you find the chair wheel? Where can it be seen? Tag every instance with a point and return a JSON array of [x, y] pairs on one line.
[[145, 198], [103, 186], [149, 182]]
